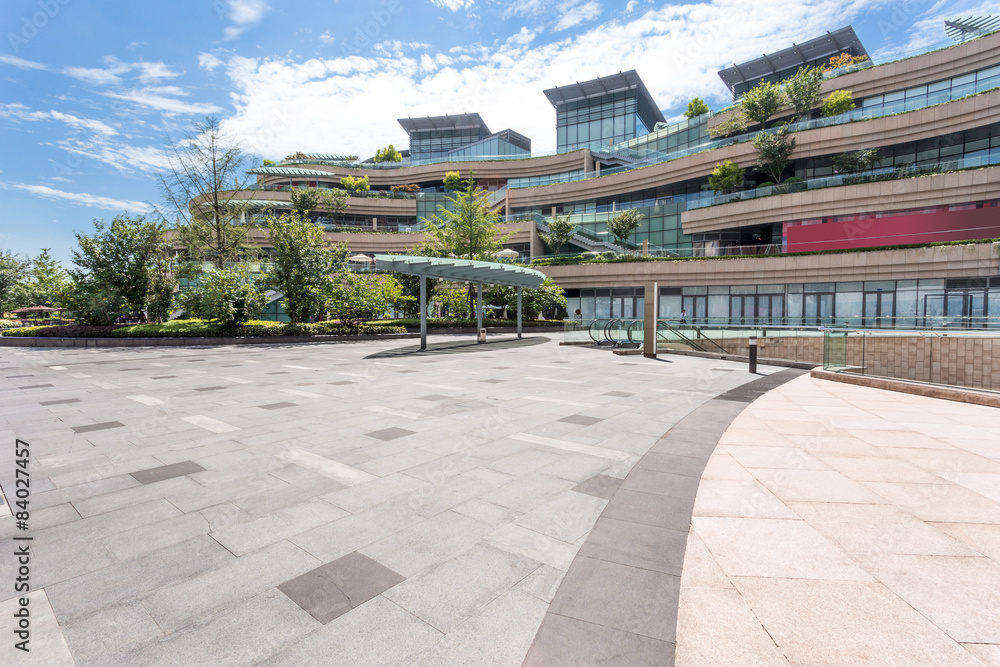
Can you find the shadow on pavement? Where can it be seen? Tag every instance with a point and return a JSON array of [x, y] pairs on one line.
[[460, 347]]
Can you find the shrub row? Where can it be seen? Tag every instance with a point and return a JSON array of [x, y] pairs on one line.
[[199, 329], [442, 322]]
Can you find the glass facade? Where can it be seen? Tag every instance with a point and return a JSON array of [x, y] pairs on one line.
[[507, 142], [429, 144], [603, 120], [900, 304], [688, 133]]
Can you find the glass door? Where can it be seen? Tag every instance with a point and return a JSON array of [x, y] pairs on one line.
[[818, 309], [879, 310], [696, 308]]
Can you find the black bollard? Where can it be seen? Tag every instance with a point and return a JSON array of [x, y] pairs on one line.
[[753, 354]]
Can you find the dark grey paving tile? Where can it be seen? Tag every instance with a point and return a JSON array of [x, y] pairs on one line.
[[87, 428], [36, 386], [493, 381], [692, 466], [122, 370], [29, 375], [390, 433], [751, 391], [277, 373], [636, 544], [162, 377], [618, 394], [568, 641], [583, 420], [194, 360], [161, 473], [61, 401], [650, 509], [661, 483], [277, 406], [406, 371], [600, 486], [340, 382], [433, 397], [334, 589], [618, 596], [215, 388]]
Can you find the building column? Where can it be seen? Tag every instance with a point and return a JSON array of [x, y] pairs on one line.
[[479, 309], [519, 311], [651, 303], [423, 312]]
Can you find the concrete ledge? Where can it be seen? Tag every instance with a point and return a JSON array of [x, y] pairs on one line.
[[783, 363], [186, 341], [959, 394], [489, 330]]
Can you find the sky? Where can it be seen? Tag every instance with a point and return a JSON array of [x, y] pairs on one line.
[[91, 92]]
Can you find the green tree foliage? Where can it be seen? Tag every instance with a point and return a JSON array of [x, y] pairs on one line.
[[773, 152], [762, 101], [803, 90], [726, 177], [307, 200], [14, 270], [126, 262], [388, 154], [623, 225], [205, 190], [228, 296], [839, 101], [357, 297], [456, 302], [355, 183], [304, 265], [268, 163], [855, 160], [736, 123], [560, 232], [546, 298], [470, 231], [453, 181], [696, 107], [408, 187]]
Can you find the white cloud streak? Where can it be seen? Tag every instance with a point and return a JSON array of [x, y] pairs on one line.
[[21, 112], [244, 13], [82, 198]]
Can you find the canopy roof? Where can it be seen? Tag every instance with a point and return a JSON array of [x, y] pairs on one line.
[[604, 85], [36, 309], [967, 26], [289, 171], [463, 121], [461, 270], [797, 55]]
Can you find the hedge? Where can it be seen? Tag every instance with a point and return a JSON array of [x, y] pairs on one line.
[[202, 329]]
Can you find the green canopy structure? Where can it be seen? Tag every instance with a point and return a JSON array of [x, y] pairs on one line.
[[460, 270]]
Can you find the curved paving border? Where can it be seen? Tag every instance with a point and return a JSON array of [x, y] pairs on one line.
[[618, 602]]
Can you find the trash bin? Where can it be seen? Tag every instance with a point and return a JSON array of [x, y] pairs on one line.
[[482, 335]]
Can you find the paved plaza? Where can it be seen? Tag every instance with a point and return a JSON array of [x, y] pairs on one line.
[[518, 502]]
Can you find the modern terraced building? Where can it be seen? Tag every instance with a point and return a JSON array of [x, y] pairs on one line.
[[803, 252]]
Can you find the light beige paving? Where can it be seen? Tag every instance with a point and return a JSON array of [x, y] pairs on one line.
[[844, 525]]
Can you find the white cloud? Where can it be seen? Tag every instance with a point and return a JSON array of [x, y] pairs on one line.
[[21, 112], [243, 13], [909, 30], [578, 14], [83, 198], [154, 71], [21, 63], [327, 37], [156, 98], [112, 73], [453, 5], [351, 104], [209, 61], [124, 157]]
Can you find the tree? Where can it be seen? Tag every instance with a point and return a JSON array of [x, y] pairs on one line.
[[736, 123], [387, 154], [560, 232], [762, 101], [839, 101], [696, 107], [453, 181], [267, 163], [408, 187], [470, 231], [726, 177], [205, 189], [355, 184], [128, 259], [803, 90], [547, 297], [306, 200], [855, 160], [622, 225], [227, 296], [303, 266], [358, 297], [13, 271], [773, 152]]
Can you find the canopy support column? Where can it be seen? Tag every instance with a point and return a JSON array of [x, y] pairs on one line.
[[519, 312], [423, 312], [479, 308]]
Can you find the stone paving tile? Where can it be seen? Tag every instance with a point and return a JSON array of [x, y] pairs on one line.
[[170, 471], [108, 636], [48, 646], [575, 642], [427, 543], [333, 589], [243, 538]]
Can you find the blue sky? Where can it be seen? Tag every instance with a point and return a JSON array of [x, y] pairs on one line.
[[89, 91]]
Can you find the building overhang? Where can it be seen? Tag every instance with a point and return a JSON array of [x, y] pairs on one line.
[[461, 270], [603, 86], [465, 121]]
